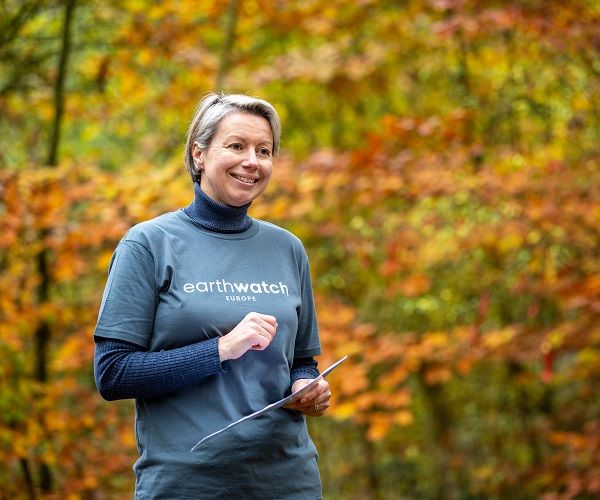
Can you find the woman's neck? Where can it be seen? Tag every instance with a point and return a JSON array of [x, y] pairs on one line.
[[214, 216]]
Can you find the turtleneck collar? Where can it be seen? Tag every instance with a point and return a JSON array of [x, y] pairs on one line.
[[214, 216]]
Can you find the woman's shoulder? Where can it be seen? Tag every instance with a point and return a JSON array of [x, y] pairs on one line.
[[152, 228], [274, 231], [282, 238]]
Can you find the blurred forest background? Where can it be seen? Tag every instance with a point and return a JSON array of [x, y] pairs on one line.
[[441, 163]]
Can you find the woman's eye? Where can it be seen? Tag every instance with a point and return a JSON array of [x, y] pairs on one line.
[[236, 146], [264, 152]]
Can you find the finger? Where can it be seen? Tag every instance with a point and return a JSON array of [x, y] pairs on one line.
[[263, 329], [267, 318], [260, 342], [315, 410], [321, 401], [319, 405], [266, 331], [320, 408], [310, 397], [271, 320], [319, 391]]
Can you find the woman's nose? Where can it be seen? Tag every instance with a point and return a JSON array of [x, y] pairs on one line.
[[251, 159]]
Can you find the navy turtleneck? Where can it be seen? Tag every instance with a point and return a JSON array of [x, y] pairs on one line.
[[214, 216]]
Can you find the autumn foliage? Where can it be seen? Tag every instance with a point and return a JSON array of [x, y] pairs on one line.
[[441, 166]]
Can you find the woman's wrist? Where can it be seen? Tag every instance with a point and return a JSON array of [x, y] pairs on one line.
[[223, 356]]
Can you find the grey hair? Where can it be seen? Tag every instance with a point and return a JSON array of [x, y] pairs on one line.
[[208, 116]]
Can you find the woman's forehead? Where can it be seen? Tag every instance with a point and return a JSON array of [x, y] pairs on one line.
[[246, 125]]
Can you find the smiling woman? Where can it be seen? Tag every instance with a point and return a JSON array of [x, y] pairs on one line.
[[208, 315]]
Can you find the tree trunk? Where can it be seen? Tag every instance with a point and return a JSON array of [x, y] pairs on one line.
[[464, 78], [438, 440], [59, 85], [44, 332], [370, 467], [28, 479], [225, 59], [514, 126]]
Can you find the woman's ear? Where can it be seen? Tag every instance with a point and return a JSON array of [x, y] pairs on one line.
[[198, 156]]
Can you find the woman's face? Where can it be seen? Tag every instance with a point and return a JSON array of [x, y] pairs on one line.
[[237, 165]]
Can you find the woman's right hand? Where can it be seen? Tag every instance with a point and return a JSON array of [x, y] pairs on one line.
[[255, 332]]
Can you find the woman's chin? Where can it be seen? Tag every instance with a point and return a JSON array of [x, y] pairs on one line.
[[240, 199]]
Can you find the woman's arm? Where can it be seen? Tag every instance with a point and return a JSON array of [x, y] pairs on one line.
[[124, 370]]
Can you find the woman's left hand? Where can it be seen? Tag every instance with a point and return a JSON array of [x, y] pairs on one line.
[[315, 402]]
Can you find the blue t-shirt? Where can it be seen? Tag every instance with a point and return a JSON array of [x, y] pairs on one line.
[[172, 283]]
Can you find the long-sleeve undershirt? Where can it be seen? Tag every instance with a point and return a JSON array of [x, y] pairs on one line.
[[124, 370]]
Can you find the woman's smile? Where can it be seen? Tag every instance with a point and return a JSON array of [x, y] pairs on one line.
[[245, 180]]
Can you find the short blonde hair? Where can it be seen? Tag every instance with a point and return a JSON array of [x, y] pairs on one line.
[[210, 112]]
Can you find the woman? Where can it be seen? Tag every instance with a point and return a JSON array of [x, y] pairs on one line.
[[207, 316]]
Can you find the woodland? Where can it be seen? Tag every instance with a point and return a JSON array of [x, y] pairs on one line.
[[441, 163]]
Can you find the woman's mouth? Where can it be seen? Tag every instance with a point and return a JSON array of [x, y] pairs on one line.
[[245, 180]]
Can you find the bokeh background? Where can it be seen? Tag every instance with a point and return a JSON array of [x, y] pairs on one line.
[[441, 163]]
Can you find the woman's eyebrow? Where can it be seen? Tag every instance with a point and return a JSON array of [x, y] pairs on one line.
[[233, 136]]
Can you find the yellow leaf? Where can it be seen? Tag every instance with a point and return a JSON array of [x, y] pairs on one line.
[[403, 418], [344, 410]]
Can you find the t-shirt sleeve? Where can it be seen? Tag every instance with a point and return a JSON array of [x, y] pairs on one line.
[[307, 339], [130, 297]]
